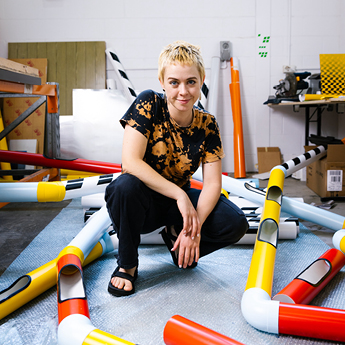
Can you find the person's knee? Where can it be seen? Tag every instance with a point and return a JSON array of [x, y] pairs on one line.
[[241, 227], [126, 185]]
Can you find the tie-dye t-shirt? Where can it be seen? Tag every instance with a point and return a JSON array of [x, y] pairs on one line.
[[175, 152]]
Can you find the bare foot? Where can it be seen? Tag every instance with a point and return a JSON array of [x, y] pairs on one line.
[[121, 283]]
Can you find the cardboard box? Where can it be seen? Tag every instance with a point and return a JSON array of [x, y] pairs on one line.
[[36, 64], [326, 176], [268, 158], [19, 67], [33, 126]]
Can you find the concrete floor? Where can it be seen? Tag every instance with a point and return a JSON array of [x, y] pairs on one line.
[[21, 222]]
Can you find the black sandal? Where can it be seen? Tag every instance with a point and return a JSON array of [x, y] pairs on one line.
[[121, 292]]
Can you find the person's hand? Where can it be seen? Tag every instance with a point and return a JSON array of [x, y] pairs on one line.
[[191, 223], [188, 249]]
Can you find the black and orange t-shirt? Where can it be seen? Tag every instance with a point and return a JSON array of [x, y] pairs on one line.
[[175, 152]]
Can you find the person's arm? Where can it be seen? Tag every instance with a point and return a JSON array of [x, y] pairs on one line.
[[209, 196], [211, 190], [133, 151]]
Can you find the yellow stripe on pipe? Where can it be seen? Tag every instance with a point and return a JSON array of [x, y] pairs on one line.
[[72, 250], [262, 267], [95, 253], [225, 193], [277, 177], [342, 244], [98, 337], [271, 210], [50, 191]]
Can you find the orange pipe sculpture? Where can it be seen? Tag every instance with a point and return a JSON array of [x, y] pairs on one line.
[[181, 331], [235, 94]]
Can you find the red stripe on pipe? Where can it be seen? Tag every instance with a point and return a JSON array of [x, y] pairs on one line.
[[77, 164], [73, 306], [196, 184], [69, 265], [303, 292], [312, 322], [181, 331]]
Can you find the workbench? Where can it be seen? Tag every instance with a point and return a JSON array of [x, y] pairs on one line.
[[313, 111]]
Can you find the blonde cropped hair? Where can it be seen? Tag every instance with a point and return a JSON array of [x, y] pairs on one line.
[[182, 52]]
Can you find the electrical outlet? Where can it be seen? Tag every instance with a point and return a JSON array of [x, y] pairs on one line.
[[224, 50], [289, 69]]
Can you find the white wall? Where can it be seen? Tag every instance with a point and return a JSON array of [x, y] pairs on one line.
[[299, 31]]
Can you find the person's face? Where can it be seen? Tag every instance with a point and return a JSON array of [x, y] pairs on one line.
[[182, 84]]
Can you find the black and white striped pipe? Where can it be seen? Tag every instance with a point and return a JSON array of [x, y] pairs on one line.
[[54, 191], [128, 87], [202, 103], [305, 159], [88, 186]]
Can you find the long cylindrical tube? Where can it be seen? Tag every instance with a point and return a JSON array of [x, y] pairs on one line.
[[235, 94], [77, 164], [296, 208], [181, 331], [313, 322], [92, 231], [54, 191], [213, 98], [262, 264], [304, 288], [304, 159]]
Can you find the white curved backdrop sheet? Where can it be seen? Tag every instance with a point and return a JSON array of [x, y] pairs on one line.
[[96, 130]]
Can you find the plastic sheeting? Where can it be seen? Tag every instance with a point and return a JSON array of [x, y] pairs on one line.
[[209, 294], [95, 132]]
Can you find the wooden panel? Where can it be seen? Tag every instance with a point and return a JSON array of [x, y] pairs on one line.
[[12, 50], [81, 66], [71, 71], [100, 80], [32, 50], [71, 64], [51, 54], [41, 50], [90, 64], [22, 51], [61, 75]]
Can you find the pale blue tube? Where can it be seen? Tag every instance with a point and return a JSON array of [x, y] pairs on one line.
[[295, 208], [20, 191]]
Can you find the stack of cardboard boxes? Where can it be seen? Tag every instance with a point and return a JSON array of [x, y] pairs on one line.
[[33, 126], [326, 176]]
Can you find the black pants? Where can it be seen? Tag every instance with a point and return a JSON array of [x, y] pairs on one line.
[[136, 209]]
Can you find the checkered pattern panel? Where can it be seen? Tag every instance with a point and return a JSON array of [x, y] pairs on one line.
[[332, 68]]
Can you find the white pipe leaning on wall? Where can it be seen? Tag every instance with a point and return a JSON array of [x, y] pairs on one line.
[[214, 86]]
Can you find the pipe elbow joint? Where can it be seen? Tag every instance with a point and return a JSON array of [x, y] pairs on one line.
[[339, 240], [260, 311], [74, 329]]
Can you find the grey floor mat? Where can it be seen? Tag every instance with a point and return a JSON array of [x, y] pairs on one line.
[[210, 294]]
